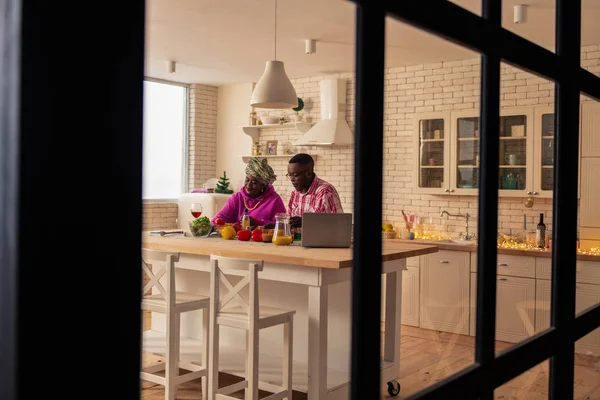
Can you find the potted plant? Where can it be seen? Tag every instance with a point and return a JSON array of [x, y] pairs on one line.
[[298, 109]]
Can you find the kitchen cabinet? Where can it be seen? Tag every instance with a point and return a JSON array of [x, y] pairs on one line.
[[590, 192], [515, 147], [444, 291], [590, 129], [432, 139], [510, 265], [515, 307], [410, 296], [586, 295], [543, 172], [447, 149]]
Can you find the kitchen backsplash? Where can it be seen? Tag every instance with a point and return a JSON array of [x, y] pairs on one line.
[[411, 90]]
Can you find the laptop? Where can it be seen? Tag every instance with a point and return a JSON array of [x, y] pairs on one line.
[[326, 230]]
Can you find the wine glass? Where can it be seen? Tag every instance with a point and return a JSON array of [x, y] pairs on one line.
[[196, 210]]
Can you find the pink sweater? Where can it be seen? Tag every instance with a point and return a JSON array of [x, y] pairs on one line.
[[264, 213]]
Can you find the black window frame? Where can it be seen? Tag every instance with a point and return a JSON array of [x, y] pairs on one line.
[[495, 44]]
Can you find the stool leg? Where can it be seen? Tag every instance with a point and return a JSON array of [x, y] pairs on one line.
[[205, 352], [213, 359], [172, 355], [252, 375], [288, 356]]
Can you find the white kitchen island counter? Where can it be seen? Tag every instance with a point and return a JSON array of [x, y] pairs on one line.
[[315, 283]]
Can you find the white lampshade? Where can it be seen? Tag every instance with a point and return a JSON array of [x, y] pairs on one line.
[[274, 89]]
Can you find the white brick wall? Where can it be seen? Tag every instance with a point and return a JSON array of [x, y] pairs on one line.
[[202, 161], [408, 91]]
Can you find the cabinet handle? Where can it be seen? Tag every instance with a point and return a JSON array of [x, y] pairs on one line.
[[529, 193], [503, 265], [451, 190], [535, 193], [502, 279], [444, 262], [446, 190]]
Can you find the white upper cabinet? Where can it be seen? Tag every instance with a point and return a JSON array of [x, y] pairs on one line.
[[432, 153], [590, 129]]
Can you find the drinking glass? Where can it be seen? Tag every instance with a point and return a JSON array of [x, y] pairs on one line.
[[196, 210]]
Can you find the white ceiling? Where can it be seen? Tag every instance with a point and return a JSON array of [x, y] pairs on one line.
[[218, 42]]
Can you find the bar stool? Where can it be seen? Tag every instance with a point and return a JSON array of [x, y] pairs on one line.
[[172, 303], [230, 308]]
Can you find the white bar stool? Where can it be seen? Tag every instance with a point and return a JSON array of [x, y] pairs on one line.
[[231, 309], [172, 303]]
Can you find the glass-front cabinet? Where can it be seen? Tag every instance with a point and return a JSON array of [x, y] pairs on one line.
[[448, 152], [432, 153], [515, 152], [544, 151]]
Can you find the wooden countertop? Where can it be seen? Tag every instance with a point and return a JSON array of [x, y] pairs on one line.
[[473, 248], [294, 254]]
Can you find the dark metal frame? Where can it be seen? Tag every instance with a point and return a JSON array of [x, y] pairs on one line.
[[486, 36]]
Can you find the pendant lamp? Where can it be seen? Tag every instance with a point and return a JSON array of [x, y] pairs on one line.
[[274, 89]]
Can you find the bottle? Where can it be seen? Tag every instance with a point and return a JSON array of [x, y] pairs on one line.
[[253, 121], [540, 233], [246, 220]]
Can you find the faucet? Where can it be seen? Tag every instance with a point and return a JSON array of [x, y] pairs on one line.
[[466, 216]]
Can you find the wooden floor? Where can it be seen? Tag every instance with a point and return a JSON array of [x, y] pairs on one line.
[[427, 357]]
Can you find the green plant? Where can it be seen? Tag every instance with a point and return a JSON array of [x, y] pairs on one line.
[[223, 185], [300, 105]]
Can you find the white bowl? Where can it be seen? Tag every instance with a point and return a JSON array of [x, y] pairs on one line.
[[269, 120]]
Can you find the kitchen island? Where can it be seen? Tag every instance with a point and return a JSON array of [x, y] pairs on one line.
[[315, 283]]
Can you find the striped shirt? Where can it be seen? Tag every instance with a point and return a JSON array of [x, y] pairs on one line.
[[321, 197]]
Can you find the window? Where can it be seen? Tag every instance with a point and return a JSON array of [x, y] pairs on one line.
[[165, 143]]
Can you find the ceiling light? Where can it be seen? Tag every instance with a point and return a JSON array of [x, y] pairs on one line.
[[520, 12], [274, 89], [310, 46]]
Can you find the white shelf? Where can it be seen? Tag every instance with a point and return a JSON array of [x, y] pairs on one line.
[[468, 139], [513, 137], [247, 158], [468, 166], [513, 166], [431, 140], [547, 166], [231, 361], [432, 166], [254, 130]]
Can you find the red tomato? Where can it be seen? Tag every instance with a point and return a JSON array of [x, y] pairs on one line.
[[219, 221], [244, 235], [257, 235], [237, 226]]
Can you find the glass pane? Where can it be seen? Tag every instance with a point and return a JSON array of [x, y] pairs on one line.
[[467, 153], [431, 162], [547, 151], [530, 385], [513, 152]]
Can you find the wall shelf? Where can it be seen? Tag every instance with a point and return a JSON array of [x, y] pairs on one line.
[[254, 130], [288, 156]]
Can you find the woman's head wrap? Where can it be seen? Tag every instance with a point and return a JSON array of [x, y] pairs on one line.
[[261, 170]]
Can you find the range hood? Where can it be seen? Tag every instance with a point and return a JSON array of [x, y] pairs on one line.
[[332, 129]]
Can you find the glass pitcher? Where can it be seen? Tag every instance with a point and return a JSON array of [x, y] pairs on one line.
[[282, 234]]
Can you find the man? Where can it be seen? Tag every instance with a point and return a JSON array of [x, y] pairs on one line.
[[310, 194]]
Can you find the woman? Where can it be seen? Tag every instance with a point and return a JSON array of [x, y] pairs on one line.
[[257, 195]]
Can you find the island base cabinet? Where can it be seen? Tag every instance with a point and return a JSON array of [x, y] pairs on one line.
[[515, 311], [586, 296], [410, 296], [444, 294]]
